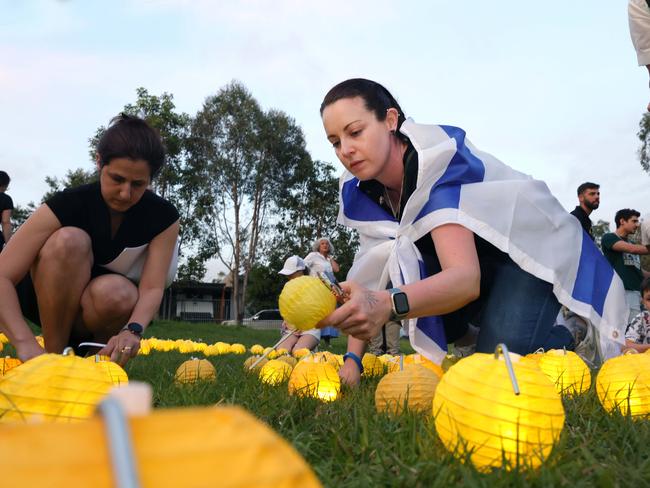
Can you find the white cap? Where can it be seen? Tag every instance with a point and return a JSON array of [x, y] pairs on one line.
[[291, 265]]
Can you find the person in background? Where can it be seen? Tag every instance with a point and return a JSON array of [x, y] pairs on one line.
[[638, 12], [320, 260], [623, 255], [387, 341], [294, 267], [589, 200], [637, 335], [92, 262], [6, 207]]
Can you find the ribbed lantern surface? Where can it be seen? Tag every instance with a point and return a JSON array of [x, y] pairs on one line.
[[414, 387], [568, 372], [623, 383], [305, 301]]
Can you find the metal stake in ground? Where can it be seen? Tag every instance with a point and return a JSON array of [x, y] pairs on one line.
[[284, 338]]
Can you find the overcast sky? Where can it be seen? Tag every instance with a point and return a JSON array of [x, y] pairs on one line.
[[551, 88]]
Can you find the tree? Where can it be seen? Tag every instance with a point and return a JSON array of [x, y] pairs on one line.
[[306, 211], [644, 136], [72, 178], [247, 159], [599, 229]]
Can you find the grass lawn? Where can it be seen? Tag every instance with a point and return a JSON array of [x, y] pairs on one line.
[[349, 445]]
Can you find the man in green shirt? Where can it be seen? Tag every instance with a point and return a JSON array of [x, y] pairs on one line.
[[624, 256]]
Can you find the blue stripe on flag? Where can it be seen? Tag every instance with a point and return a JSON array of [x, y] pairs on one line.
[[463, 168], [594, 276], [358, 206]]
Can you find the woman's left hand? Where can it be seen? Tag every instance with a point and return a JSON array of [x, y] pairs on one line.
[[122, 347], [363, 314]]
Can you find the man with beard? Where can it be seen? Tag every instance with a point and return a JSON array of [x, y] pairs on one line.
[[589, 198]]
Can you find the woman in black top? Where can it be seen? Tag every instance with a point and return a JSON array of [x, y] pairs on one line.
[[99, 256]]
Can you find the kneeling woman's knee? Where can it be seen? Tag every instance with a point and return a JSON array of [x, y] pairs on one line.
[[67, 243], [115, 296]]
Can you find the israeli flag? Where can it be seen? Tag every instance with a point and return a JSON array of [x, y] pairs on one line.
[[460, 184]]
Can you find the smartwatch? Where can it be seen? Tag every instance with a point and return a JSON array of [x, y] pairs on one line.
[[134, 328], [400, 304]]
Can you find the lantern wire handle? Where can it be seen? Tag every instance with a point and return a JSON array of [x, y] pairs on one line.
[[503, 349], [119, 443]]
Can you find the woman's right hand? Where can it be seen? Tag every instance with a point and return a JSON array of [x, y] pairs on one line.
[[349, 373]]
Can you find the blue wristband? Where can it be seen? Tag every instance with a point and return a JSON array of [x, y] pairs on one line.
[[355, 358]]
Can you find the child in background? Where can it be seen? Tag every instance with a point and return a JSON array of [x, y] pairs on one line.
[[637, 334], [294, 267]]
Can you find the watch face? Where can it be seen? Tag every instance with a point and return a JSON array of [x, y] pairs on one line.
[[135, 328], [401, 303]]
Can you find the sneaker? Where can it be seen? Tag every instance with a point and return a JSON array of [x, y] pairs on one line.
[[585, 339]]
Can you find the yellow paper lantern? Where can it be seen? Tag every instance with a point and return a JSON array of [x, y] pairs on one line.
[[270, 353], [194, 370], [301, 353], [223, 347], [251, 360], [372, 366], [114, 371], [290, 360], [257, 349], [238, 349], [7, 364], [145, 347], [275, 372], [423, 361], [315, 379], [477, 411], [305, 301], [282, 351], [414, 387], [323, 357], [568, 372], [188, 447], [53, 388], [3, 338], [623, 383]]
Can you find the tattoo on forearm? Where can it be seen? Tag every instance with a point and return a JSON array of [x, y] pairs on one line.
[[371, 299]]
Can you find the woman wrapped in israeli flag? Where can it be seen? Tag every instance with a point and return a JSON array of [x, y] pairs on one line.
[[454, 243]]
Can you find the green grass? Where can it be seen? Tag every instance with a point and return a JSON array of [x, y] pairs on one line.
[[349, 444]]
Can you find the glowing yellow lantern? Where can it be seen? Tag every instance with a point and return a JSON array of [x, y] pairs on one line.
[[198, 346], [305, 301], [251, 360], [223, 347], [290, 360], [275, 372], [623, 383], [423, 361], [413, 387], [301, 353], [257, 349], [238, 349], [53, 388], [315, 379], [8, 363], [270, 353], [568, 372], [323, 357], [478, 412], [173, 447], [194, 370], [282, 351], [372, 366]]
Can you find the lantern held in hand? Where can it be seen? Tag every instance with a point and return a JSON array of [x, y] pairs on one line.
[[305, 301]]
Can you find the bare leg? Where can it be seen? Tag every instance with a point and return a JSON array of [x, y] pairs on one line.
[[289, 343], [106, 305], [60, 274], [306, 341]]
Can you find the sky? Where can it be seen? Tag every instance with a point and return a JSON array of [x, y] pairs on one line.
[[550, 88]]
